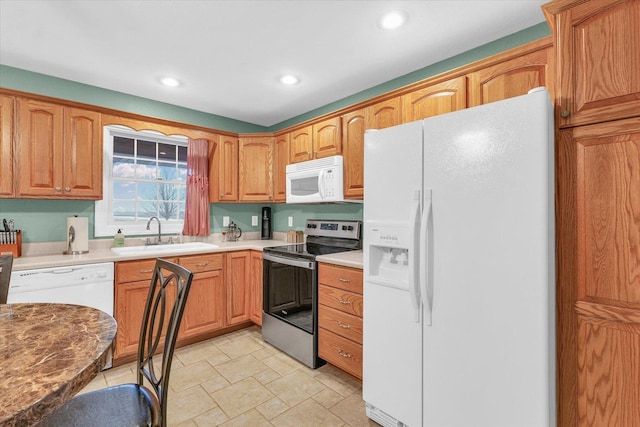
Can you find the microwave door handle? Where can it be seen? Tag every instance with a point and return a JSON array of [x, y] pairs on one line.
[[321, 183]]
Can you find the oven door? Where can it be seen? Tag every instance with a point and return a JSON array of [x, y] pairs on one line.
[[290, 289]]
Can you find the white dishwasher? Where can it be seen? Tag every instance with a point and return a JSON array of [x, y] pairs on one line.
[[87, 284]]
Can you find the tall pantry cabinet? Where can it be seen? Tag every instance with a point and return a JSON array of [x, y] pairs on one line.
[[597, 101]]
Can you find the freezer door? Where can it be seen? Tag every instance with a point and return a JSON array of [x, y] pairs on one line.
[[489, 351], [392, 336]]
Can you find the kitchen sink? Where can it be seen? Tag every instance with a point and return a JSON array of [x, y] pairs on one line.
[[174, 248]]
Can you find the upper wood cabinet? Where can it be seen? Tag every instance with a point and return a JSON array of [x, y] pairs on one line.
[[321, 139], [510, 78], [59, 151], [439, 98], [228, 147], [301, 145], [280, 162], [598, 59], [6, 146], [384, 114], [327, 138], [353, 126], [255, 169]]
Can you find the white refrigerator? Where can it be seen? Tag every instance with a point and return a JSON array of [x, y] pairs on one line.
[[459, 268]]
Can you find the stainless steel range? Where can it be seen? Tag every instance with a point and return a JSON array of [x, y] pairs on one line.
[[290, 287]]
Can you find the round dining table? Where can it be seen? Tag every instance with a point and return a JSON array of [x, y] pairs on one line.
[[48, 353]]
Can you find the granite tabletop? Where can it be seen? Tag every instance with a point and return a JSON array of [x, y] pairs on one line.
[[48, 352]]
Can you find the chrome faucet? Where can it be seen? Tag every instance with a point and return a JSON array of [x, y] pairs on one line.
[[159, 231]]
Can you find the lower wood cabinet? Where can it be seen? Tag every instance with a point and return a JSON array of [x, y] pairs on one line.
[[226, 292], [340, 307], [256, 288], [132, 279], [237, 279], [204, 311]]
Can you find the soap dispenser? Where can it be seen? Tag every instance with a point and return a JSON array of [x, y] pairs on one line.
[[118, 239]]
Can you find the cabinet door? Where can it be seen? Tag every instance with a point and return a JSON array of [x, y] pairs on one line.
[[439, 98], [301, 145], [204, 311], [353, 125], [228, 168], [280, 162], [39, 148], [509, 78], [384, 114], [129, 310], [255, 169], [598, 60], [598, 231], [237, 279], [327, 138], [6, 146], [256, 287], [82, 154]]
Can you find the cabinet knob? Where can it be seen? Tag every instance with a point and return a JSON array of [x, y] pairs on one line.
[[564, 114], [58, 189], [67, 189]]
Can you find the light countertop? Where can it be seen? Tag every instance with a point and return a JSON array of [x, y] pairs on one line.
[[104, 254], [345, 259]]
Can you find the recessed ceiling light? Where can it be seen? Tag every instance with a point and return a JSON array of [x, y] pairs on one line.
[[170, 81], [393, 20], [289, 79]]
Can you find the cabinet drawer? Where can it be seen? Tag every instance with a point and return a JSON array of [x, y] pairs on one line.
[[340, 323], [346, 278], [198, 263], [132, 271], [348, 302], [341, 352]]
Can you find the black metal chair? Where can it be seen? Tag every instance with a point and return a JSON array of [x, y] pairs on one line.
[[6, 263], [143, 403]]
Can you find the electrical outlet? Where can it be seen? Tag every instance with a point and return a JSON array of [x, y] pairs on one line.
[[290, 221], [254, 220], [225, 221]]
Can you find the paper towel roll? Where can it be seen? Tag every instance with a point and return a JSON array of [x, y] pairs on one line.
[[77, 235]]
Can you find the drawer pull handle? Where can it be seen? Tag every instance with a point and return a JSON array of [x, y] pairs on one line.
[[343, 302], [343, 354], [202, 264], [344, 325], [343, 280], [146, 271]]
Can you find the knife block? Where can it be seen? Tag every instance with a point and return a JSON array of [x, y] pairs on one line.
[[12, 248]]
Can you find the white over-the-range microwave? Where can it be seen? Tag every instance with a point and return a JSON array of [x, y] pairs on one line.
[[316, 181]]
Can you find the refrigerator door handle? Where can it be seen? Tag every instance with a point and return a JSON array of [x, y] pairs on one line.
[[426, 255], [414, 285]]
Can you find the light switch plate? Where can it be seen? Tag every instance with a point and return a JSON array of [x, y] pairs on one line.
[[254, 220], [290, 221], [225, 221]]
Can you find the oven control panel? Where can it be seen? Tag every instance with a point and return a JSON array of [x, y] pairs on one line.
[[344, 229]]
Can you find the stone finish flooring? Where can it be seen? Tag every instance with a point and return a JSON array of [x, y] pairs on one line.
[[239, 380]]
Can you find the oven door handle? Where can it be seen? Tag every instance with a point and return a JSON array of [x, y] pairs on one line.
[[309, 265]]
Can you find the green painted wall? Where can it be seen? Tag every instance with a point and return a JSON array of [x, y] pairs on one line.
[[45, 220], [27, 81]]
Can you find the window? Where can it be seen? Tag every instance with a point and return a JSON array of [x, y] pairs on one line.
[[144, 176]]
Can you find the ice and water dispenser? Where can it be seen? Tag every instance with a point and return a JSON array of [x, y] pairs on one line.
[[389, 251]]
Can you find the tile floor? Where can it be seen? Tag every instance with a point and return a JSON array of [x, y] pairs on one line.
[[239, 380]]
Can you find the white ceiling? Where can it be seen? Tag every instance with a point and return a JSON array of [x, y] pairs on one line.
[[230, 54]]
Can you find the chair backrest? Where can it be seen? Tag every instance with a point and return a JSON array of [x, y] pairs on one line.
[[6, 262], [160, 325]]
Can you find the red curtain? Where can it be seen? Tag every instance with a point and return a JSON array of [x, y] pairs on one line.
[[196, 213]]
